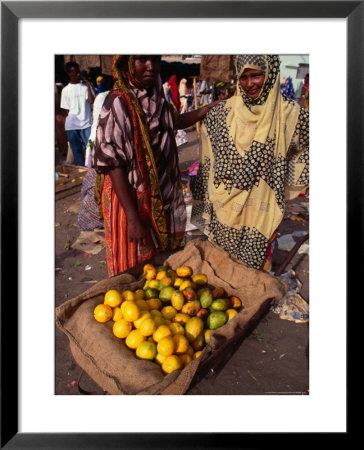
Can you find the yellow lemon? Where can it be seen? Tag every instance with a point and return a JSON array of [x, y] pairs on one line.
[[112, 298], [154, 303], [139, 294], [130, 311], [161, 332], [181, 344], [103, 313], [117, 314], [122, 328], [142, 304], [166, 346], [168, 312], [160, 358], [133, 339], [177, 300], [197, 354], [207, 334], [177, 282], [177, 328], [181, 318], [146, 350], [185, 284], [231, 313], [200, 279], [128, 295], [149, 271], [155, 313], [184, 271], [171, 364], [143, 315], [185, 359], [193, 328], [147, 327], [161, 274], [199, 342]]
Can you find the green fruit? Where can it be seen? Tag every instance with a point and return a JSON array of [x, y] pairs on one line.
[[220, 304], [151, 293], [154, 284], [206, 299], [201, 290], [171, 273], [166, 293], [216, 320], [160, 268]]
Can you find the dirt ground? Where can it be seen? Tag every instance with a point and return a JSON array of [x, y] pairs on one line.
[[272, 360]]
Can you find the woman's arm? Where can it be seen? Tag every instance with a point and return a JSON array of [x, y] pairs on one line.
[[190, 118], [123, 190]]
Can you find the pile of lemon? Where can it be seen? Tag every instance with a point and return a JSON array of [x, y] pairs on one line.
[[170, 320]]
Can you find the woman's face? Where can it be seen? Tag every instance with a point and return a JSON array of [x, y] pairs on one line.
[[147, 68], [252, 82]]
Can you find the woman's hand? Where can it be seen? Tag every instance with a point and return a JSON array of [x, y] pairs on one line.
[[137, 231]]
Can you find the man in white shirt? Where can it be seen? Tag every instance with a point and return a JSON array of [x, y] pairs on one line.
[[77, 98]]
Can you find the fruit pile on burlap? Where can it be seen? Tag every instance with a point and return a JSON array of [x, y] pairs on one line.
[[113, 366]]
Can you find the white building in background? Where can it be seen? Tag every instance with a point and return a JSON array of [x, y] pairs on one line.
[[295, 66]]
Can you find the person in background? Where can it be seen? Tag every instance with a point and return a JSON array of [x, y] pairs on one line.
[[287, 87], [136, 157], [174, 95], [100, 84], [60, 118], [183, 95], [77, 98], [97, 105], [191, 100], [253, 157], [90, 213], [206, 92], [305, 92]]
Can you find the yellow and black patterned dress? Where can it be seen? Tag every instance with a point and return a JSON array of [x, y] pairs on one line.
[[253, 156]]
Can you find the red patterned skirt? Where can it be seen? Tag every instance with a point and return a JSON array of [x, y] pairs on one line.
[[121, 254]]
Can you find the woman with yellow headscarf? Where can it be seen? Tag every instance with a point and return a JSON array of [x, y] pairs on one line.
[[253, 156]]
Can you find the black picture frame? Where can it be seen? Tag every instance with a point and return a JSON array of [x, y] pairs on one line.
[[11, 12]]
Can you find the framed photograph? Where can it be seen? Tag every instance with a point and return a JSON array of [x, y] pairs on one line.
[[31, 34]]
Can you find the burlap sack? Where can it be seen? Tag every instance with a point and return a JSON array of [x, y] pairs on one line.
[[115, 368]]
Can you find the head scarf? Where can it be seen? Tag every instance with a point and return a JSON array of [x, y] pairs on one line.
[[269, 64], [253, 155]]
